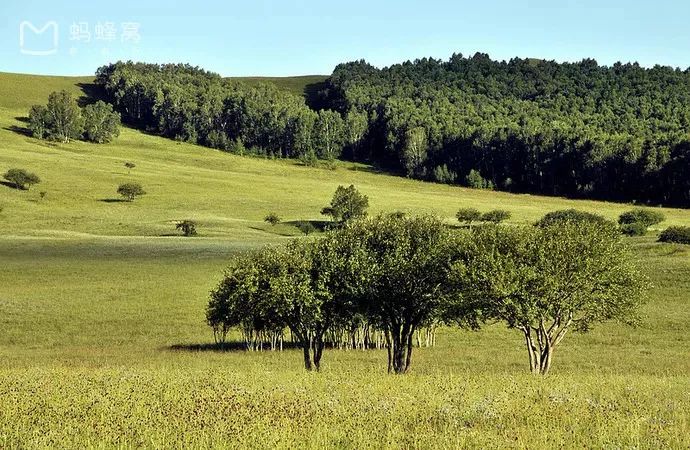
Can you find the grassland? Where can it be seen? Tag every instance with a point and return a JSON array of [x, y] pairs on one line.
[[102, 316]]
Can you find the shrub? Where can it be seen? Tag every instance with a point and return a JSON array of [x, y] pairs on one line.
[[42, 194], [272, 218], [468, 215], [188, 227], [570, 215], [647, 217], [475, 180], [347, 204], [633, 229], [21, 179], [441, 174], [495, 216], [101, 123], [679, 235], [130, 191], [218, 139], [130, 165]]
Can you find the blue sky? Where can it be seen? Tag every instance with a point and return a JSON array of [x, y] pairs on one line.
[[278, 38]]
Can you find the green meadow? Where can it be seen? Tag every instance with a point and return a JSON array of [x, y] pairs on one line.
[[103, 341]]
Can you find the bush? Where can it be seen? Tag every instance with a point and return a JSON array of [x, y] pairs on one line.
[[130, 191], [101, 123], [130, 165], [475, 180], [495, 216], [679, 235], [272, 218], [21, 179], [647, 217], [188, 227], [634, 229], [468, 215], [570, 215], [347, 204], [441, 174], [218, 139]]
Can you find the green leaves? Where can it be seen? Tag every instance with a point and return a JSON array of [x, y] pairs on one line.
[[60, 120], [21, 178], [101, 123], [543, 280], [347, 204]]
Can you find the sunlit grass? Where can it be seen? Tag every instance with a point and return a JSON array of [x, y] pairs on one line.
[[99, 300]]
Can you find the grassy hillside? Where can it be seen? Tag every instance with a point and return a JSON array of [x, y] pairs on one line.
[[102, 334], [307, 85]]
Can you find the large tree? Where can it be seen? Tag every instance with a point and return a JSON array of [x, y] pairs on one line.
[[546, 281], [403, 266], [60, 120], [101, 123]]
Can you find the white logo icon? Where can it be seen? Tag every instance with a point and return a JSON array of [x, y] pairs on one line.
[[46, 50]]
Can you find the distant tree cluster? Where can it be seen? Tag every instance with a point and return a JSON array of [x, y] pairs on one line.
[[525, 125], [375, 282], [63, 120], [190, 104]]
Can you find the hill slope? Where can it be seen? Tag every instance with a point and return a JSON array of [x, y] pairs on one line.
[[103, 340], [229, 195]]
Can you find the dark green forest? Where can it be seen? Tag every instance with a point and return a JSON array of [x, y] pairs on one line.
[[525, 125]]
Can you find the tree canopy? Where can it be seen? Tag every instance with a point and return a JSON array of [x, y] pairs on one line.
[[545, 281], [526, 125]]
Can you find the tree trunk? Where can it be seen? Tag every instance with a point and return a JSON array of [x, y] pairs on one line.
[[541, 350], [402, 347], [318, 351], [307, 356], [389, 347]]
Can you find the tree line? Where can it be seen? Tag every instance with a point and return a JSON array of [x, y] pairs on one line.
[[190, 104], [571, 129], [525, 125], [378, 281]]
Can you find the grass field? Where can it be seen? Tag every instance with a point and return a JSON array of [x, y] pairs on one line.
[[102, 316]]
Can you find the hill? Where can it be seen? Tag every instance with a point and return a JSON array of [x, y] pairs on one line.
[[103, 340]]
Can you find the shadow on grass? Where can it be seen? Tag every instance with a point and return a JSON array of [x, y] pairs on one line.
[[230, 346], [12, 186], [24, 131], [319, 225], [272, 231], [92, 93], [369, 169], [114, 200]]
